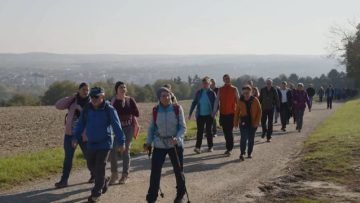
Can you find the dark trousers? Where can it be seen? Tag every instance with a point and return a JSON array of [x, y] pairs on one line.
[[267, 116], [329, 102], [284, 114], [299, 118], [214, 126], [157, 162], [202, 121], [321, 98], [247, 136], [69, 155], [96, 160], [227, 123]]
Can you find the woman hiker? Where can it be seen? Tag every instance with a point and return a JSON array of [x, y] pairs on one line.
[[247, 118], [128, 112], [204, 102], [166, 132], [74, 105]]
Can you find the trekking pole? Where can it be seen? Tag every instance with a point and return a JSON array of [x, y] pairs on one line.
[[149, 155], [181, 172]]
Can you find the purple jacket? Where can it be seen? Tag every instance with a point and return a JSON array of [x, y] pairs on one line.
[[71, 105], [300, 99]]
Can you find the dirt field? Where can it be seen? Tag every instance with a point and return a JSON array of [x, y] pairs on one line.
[[24, 129]]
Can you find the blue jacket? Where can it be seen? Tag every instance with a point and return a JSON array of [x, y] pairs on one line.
[[98, 123], [211, 95]]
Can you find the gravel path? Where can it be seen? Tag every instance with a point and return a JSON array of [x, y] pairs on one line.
[[211, 177]]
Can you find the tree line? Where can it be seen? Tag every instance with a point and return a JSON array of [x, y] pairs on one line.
[[183, 90]]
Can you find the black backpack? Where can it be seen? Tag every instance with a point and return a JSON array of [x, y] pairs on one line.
[[246, 120]]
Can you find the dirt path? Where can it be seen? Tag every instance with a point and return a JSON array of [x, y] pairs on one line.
[[211, 177]]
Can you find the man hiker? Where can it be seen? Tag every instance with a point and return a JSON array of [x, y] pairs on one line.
[[166, 132], [99, 118], [300, 99], [204, 102], [226, 100], [74, 105], [321, 94], [128, 113], [311, 93], [269, 100], [216, 90], [329, 93], [285, 105], [247, 118]]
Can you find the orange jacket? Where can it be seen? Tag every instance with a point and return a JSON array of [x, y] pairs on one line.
[[227, 97], [255, 112]]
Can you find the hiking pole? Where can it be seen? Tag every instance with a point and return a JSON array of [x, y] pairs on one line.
[[149, 155], [181, 171]]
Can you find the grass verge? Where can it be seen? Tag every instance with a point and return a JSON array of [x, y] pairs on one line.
[[332, 152]]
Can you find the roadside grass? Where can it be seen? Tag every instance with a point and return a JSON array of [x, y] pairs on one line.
[[24, 167], [20, 168], [332, 151]]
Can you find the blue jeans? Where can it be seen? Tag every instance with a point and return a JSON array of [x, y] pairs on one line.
[[69, 155], [247, 137]]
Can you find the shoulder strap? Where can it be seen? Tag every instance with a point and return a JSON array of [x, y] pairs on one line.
[[154, 113]]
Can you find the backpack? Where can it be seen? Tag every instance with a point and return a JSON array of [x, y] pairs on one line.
[[156, 109]]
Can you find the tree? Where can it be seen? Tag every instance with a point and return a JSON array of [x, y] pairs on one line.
[[352, 57], [59, 90], [23, 99]]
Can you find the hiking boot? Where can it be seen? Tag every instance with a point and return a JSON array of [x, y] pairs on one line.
[[299, 130], [123, 180], [227, 153], [93, 199], [249, 156], [197, 150], [241, 158], [283, 129], [210, 149], [268, 140], [61, 184], [263, 135], [106, 185], [178, 200], [113, 179], [91, 180]]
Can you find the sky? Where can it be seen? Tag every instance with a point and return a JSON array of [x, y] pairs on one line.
[[298, 27]]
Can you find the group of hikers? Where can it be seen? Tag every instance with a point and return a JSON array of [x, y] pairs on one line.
[[103, 129]]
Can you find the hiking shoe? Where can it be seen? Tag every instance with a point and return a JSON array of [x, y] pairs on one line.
[[249, 156], [283, 129], [93, 199], [227, 153], [106, 185], [113, 179], [61, 184], [268, 140], [178, 200], [241, 158], [123, 180], [299, 130], [263, 135], [197, 150], [91, 180], [210, 149]]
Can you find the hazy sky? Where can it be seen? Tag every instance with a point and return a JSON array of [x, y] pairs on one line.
[[171, 26]]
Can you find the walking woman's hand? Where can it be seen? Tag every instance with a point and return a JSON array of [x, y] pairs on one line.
[[174, 141], [74, 143], [121, 148]]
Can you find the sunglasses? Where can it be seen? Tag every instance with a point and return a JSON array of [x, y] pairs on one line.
[[95, 97]]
